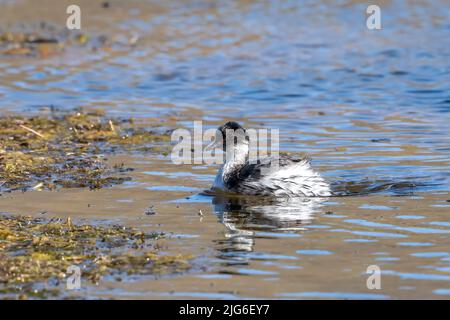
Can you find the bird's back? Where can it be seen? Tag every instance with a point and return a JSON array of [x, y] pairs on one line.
[[291, 178]]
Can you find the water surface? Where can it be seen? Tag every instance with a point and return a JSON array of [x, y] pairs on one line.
[[372, 109]]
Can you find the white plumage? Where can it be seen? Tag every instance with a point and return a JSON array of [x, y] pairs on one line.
[[290, 179]]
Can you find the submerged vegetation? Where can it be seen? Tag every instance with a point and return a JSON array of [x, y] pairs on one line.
[[68, 150], [35, 254], [44, 39], [42, 44]]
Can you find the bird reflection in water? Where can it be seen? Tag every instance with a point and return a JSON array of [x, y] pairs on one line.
[[248, 218]]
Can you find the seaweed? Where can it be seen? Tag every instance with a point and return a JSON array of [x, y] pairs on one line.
[[42, 40], [68, 150], [35, 254], [45, 40]]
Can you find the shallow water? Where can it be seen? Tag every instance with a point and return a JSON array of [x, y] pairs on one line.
[[370, 107]]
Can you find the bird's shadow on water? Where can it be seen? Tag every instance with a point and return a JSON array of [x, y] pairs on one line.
[[248, 218]]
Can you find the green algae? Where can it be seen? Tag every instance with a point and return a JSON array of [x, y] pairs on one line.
[[68, 150], [35, 255]]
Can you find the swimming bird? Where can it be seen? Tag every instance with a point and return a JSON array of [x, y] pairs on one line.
[[290, 178]]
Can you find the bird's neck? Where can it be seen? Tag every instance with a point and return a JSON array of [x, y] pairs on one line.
[[236, 158]]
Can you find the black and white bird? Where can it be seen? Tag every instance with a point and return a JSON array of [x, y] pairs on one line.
[[290, 178]]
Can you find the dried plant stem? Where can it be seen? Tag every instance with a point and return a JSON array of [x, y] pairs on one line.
[[31, 130], [111, 125]]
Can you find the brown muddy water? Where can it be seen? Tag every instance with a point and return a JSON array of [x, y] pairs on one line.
[[370, 107]]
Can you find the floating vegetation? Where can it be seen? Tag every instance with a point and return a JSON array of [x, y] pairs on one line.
[[36, 253], [28, 44], [67, 150], [45, 39]]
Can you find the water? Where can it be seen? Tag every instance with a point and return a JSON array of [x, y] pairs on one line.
[[370, 107]]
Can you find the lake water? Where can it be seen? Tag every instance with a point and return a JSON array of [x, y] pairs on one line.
[[369, 106]]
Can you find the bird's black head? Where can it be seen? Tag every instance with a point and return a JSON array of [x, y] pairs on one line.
[[232, 132], [230, 125]]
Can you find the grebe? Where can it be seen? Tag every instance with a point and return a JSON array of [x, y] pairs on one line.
[[291, 178]]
